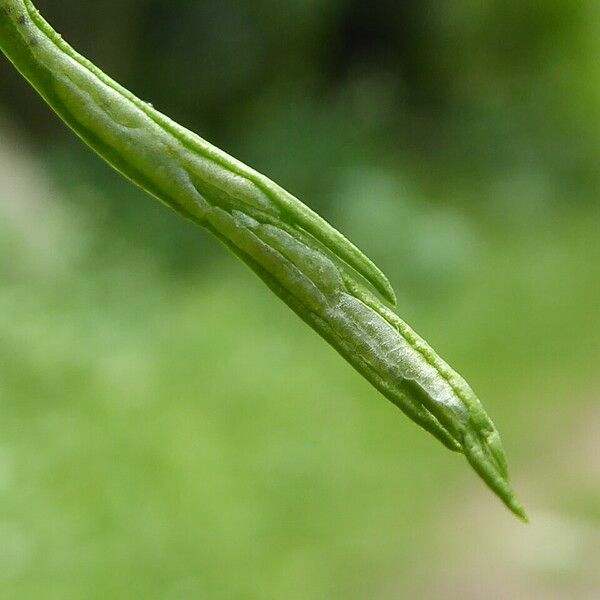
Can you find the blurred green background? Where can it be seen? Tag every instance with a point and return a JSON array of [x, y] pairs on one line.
[[169, 429]]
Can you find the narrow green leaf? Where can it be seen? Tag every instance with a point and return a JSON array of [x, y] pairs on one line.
[[305, 261]]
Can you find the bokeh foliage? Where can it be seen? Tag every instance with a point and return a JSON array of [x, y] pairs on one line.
[[168, 430]]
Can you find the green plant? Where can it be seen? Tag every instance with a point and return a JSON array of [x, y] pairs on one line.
[[304, 260]]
